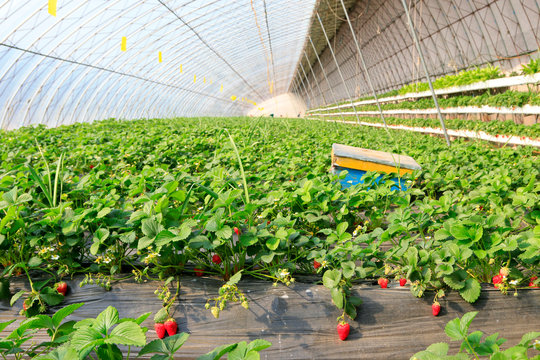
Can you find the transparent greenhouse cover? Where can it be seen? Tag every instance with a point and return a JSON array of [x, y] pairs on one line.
[[67, 61]]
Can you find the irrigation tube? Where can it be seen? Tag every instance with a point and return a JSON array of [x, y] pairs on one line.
[[421, 53]]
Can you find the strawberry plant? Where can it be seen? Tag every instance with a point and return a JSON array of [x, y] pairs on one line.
[[473, 346]]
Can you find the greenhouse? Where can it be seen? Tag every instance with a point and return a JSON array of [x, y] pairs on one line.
[[270, 179]]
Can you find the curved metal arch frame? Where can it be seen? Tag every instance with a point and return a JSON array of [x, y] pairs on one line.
[[74, 75]]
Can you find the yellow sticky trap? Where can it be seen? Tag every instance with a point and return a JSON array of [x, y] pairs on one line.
[[233, 98], [52, 7], [123, 47], [204, 79], [181, 70], [221, 88], [160, 57], [194, 78]]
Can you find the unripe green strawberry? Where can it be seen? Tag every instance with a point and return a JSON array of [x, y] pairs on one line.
[[245, 304], [215, 311]]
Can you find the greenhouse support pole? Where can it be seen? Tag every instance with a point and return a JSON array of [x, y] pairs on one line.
[[368, 77], [325, 77], [309, 83], [307, 92], [424, 65], [316, 81], [338, 68], [303, 86]]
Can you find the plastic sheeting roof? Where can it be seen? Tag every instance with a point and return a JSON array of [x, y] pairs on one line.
[[70, 67]]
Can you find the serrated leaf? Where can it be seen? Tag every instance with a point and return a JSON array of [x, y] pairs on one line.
[[456, 280], [460, 232], [272, 243], [348, 268], [34, 261], [127, 333], [440, 349], [6, 324], [235, 278], [453, 330], [224, 233], [337, 297], [103, 212], [64, 312], [155, 346], [331, 278], [175, 342], [109, 352], [471, 290], [151, 227], [199, 242], [106, 320], [51, 296], [144, 242], [218, 352]]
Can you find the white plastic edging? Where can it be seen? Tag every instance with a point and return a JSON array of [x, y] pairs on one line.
[[482, 85], [525, 110], [479, 135]]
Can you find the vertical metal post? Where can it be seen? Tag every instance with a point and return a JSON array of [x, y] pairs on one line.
[[309, 84], [316, 81], [364, 65], [325, 77], [338, 69], [301, 86], [307, 93], [419, 49]]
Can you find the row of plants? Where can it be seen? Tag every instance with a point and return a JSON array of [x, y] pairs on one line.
[[465, 77], [155, 199], [509, 99], [460, 79], [104, 338], [495, 128]]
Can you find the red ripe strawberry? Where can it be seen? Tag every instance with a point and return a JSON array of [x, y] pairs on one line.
[[199, 272], [497, 279], [91, 167], [160, 330], [383, 282], [343, 330], [25, 305], [61, 287], [531, 283], [216, 259], [171, 326], [236, 231], [316, 264], [402, 282], [435, 308]]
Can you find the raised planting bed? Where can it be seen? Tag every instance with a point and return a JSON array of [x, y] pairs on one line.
[[299, 320], [510, 82], [469, 134]]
